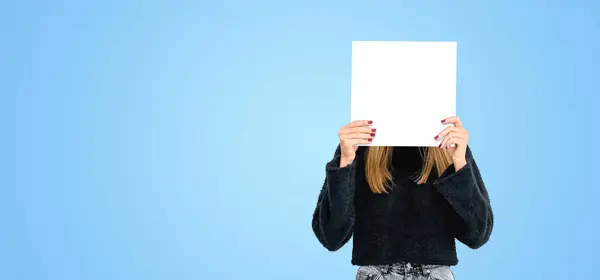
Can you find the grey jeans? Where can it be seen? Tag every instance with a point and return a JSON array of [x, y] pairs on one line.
[[404, 271]]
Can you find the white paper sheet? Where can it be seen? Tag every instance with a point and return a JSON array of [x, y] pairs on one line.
[[405, 88]]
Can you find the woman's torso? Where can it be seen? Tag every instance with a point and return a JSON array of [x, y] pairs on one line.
[[405, 223]]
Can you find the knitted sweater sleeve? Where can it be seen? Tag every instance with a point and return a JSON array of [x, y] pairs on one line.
[[333, 218], [466, 193]]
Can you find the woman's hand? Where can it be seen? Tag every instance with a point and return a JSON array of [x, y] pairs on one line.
[[352, 134], [458, 136]]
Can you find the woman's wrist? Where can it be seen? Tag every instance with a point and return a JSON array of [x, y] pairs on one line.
[[459, 163], [344, 161]]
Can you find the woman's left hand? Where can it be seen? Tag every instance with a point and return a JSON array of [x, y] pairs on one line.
[[458, 136]]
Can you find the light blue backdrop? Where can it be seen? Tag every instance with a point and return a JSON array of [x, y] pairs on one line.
[[187, 140]]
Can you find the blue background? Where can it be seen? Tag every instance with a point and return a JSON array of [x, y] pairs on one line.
[[187, 140]]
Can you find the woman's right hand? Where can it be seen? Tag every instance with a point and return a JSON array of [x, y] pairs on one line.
[[352, 134]]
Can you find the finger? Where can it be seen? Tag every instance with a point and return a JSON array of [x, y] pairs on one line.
[[356, 132], [359, 129], [451, 137], [453, 141], [453, 120], [460, 135], [443, 142], [456, 135], [359, 123], [450, 129], [361, 141], [359, 136]]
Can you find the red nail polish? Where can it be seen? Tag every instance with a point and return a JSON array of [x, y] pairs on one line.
[[373, 130], [443, 121], [436, 137], [440, 146], [372, 134], [370, 139], [370, 122]]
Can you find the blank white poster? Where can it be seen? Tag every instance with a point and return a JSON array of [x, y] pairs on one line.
[[405, 88]]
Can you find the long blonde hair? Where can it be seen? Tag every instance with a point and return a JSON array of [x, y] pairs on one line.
[[378, 161]]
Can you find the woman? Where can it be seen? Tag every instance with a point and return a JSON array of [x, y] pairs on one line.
[[403, 206]]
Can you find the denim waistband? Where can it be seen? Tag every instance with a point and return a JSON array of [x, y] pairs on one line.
[[404, 268]]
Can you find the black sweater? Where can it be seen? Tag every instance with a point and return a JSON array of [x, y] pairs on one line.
[[411, 223]]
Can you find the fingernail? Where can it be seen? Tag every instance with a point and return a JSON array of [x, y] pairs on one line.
[[436, 137], [440, 145], [443, 121], [370, 139], [372, 134], [373, 130], [370, 122]]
